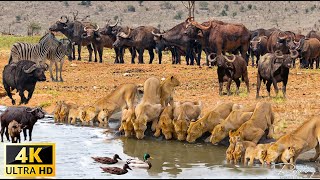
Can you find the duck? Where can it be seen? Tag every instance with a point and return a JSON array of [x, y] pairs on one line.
[[107, 160], [139, 163], [116, 170]]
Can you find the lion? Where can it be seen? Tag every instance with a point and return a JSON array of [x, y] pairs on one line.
[[229, 153], [149, 108], [56, 111], [240, 149], [192, 109], [124, 96], [303, 139], [166, 90], [235, 119], [126, 122], [208, 121], [165, 123], [288, 155], [259, 152], [74, 114], [261, 119], [88, 114], [181, 125], [102, 118], [64, 111]]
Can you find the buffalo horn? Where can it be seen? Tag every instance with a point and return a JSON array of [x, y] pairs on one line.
[[97, 28], [32, 68], [124, 35], [277, 52], [113, 25], [294, 54], [227, 59], [210, 59], [156, 34]]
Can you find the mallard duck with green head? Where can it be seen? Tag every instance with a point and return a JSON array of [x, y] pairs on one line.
[[145, 163], [107, 160], [116, 170]]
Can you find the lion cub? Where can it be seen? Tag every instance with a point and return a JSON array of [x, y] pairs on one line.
[[288, 155], [259, 152]]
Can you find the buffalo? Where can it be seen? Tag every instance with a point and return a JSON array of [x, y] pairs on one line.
[[22, 76], [74, 31], [25, 116], [309, 50], [274, 68], [220, 37], [230, 69], [258, 47], [140, 38], [279, 40]]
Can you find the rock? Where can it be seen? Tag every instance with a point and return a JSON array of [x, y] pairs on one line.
[[127, 74], [73, 65]]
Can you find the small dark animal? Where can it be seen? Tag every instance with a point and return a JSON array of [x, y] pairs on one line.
[[23, 115], [230, 69], [14, 131], [22, 76]]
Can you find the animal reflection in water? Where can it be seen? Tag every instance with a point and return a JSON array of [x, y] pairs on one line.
[[173, 156]]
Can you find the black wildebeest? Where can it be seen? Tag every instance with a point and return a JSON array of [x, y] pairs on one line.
[[274, 68], [230, 69], [22, 76], [23, 115], [140, 38]]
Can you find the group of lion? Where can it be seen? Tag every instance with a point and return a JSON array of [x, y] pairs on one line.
[[243, 125]]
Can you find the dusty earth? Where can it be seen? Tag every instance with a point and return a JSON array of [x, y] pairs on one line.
[[85, 82]]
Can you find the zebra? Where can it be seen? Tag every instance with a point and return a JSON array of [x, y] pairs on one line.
[[33, 52], [57, 55]]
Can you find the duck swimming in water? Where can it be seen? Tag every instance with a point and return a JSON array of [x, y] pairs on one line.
[[139, 163], [107, 160], [116, 170]]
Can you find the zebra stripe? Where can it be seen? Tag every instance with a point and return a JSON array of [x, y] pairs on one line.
[[33, 52], [60, 51]]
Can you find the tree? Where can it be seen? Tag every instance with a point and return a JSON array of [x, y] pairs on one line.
[[190, 7]]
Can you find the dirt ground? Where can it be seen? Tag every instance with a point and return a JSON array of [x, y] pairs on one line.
[[85, 82]]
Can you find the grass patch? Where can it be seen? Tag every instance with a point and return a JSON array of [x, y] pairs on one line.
[[45, 104], [278, 99]]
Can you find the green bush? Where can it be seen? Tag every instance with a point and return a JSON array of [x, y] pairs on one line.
[[85, 3], [178, 16], [223, 13], [234, 14], [226, 7], [242, 9], [203, 5], [249, 6], [66, 4], [131, 8], [166, 5], [307, 11], [18, 18]]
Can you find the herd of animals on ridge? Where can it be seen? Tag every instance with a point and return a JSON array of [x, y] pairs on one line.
[[244, 126]]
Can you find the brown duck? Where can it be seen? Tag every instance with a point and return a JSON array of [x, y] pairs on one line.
[[116, 170], [107, 160]]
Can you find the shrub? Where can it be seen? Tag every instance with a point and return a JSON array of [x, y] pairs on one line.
[[100, 8], [178, 16], [131, 8], [140, 3], [33, 27], [241, 9], [226, 7], [18, 18], [203, 5], [223, 13], [166, 5], [147, 9], [307, 10], [115, 17], [249, 6], [234, 14], [66, 4], [85, 3], [313, 7]]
